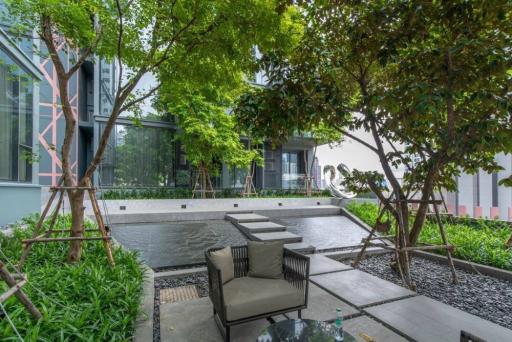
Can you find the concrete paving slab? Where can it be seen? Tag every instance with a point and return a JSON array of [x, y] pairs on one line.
[[365, 325], [301, 247], [192, 321], [286, 237], [188, 321], [321, 264], [242, 218], [425, 319], [260, 227], [322, 306], [359, 288]]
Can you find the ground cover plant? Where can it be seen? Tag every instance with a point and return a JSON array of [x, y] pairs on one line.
[[480, 241], [85, 301]]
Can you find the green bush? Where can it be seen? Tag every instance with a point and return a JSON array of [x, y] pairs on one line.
[[480, 241], [175, 193], [86, 301]]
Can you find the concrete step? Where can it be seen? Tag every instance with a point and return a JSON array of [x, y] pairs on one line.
[[301, 247], [243, 218], [286, 237], [260, 227]]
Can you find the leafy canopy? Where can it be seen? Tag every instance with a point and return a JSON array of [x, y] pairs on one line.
[[208, 133], [430, 79]]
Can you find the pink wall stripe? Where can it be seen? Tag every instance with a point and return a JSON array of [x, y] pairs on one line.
[[494, 213], [478, 212]]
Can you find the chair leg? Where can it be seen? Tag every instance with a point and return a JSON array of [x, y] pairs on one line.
[[227, 338], [299, 314]]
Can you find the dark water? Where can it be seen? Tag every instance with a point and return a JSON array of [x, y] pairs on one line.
[[180, 243], [325, 232], [183, 243]]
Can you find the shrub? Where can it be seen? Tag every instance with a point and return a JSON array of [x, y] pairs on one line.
[[86, 301], [175, 193], [479, 241]]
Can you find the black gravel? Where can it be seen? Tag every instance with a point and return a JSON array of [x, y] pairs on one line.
[[200, 280], [487, 297]]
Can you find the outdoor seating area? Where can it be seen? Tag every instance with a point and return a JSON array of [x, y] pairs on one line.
[[256, 171]]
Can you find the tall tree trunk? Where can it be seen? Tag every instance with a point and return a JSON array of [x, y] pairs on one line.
[[426, 191], [76, 200]]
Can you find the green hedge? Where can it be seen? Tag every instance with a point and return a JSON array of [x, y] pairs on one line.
[[480, 241], [86, 301], [175, 193]]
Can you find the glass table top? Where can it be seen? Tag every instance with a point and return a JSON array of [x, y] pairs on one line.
[[301, 330]]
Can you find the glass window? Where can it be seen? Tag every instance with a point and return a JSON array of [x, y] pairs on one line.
[[15, 121], [139, 156], [292, 170]]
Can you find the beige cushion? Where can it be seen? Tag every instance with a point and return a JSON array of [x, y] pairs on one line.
[[265, 259], [223, 260], [245, 297]]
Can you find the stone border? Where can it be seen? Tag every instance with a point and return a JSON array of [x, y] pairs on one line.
[[469, 266], [144, 321], [179, 273]]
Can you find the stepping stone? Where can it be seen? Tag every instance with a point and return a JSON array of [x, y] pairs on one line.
[[321, 264], [365, 325], [359, 288], [286, 237], [260, 227], [424, 319], [301, 247], [242, 218], [322, 306]]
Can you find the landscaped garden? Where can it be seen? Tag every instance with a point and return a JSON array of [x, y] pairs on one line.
[[86, 301], [481, 241]]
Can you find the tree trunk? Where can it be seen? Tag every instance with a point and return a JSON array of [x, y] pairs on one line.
[[76, 200]]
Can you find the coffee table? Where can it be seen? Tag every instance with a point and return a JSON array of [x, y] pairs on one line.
[[301, 330]]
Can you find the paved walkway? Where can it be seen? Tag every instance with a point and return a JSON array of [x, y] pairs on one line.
[[370, 305]]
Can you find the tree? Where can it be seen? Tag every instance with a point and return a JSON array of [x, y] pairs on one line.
[[209, 136], [429, 79], [184, 38]]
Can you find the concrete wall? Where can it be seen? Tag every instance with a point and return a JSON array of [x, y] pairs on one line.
[[18, 200]]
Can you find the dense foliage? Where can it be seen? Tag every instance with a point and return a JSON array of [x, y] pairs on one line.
[[88, 301], [479, 241], [175, 193]]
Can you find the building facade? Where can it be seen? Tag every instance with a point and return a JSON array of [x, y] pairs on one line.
[[480, 195], [20, 192]]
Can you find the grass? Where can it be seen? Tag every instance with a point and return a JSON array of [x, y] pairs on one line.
[[480, 241], [86, 301], [183, 193]]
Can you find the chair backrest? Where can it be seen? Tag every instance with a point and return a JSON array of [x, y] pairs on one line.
[[240, 259], [468, 337]]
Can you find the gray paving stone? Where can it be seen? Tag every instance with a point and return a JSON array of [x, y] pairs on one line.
[[365, 325], [425, 319], [260, 227], [300, 247], [192, 321], [286, 237], [359, 288], [242, 218], [322, 306], [321, 264]]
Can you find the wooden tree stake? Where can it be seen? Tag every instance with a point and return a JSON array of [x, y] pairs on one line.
[[15, 289]]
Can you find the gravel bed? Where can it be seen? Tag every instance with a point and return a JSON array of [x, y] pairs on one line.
[[487, 297], [198, 279]]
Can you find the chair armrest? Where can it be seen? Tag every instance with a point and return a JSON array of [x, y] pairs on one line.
[[215, 290], [296, 269]]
